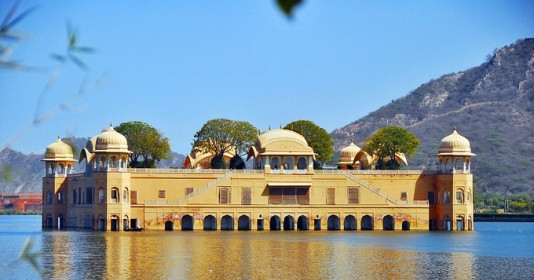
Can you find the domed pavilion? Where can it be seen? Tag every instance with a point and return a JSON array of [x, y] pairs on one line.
[[107, 151], [455, 154], [282, 151], [59, 158]]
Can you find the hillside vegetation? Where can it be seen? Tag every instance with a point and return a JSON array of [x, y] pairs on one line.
[[492, 105]]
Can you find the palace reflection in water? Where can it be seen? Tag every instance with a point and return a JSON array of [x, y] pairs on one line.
[[253, 255]]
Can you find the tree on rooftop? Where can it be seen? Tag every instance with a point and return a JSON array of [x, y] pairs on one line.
[[387, 143], [147, 144], [317, 137], [219, 136]]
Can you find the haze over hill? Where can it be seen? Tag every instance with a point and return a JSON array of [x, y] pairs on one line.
[[491, 104]]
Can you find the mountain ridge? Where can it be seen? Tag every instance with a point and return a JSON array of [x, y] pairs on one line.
[[492, 105]]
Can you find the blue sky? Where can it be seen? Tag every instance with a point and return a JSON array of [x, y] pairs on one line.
[[177, 64]]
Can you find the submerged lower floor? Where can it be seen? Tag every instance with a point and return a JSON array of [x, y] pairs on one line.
[[414, 217]]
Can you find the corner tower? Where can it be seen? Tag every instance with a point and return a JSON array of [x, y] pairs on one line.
[[454, 186], [110, 158], [58, 164]]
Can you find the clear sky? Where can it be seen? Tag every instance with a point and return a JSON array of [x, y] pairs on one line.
[[177, 64]]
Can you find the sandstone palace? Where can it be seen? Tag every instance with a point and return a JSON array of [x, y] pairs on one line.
[[281, 192]]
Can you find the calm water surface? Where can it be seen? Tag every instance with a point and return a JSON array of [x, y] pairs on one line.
[[493, 251]]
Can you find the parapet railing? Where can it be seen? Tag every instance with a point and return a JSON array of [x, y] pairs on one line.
[[189, 195], [383, 194], [206, 187], [290, 172], [378, 172], [190, 170]]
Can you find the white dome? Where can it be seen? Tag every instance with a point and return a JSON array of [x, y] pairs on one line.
[[347, 154], [59, 151], [111, 140], [455, 144]]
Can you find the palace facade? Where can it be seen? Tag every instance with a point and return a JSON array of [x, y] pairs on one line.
[[281, 192]]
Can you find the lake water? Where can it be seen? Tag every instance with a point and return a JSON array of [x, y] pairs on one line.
[[492, 251]]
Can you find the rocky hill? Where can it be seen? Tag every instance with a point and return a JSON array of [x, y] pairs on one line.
[[491, 104]]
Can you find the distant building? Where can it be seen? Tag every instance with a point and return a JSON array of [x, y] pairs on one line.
[[281, 192], [21, 202]]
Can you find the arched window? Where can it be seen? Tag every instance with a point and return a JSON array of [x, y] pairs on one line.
[[459, 196], [124, 162], [288, 164], [115, 195], [113, 162], [61, 168], [459, 164], [125, 195], [301, 163], [49, 197], [101, 196], [446, 197], [275, 163]]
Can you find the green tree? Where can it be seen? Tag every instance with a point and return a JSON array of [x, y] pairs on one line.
[[389, 141], [147, 144], [219, 136], [318, 138]]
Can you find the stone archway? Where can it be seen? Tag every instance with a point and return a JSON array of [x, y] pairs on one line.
[[49, 220], [388, 223], [115, 222], [243, 223], [210, 223], [406, 225], [227, 223], [187, 222], [333, 222], [349, 223], [274, 223], [169, 225], [367, 223], [289, 223], [460, 223], [302, 223]]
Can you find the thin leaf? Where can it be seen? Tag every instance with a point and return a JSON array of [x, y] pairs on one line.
[[5, 25], [12, 65], [21, 16], [32, 257], [58, 58], [72, 40], [84, 49], [78, 62]]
